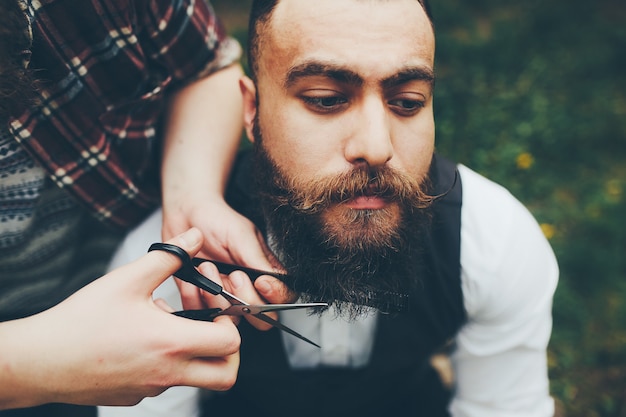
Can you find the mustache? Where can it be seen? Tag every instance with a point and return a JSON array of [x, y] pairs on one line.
[[382, 182]]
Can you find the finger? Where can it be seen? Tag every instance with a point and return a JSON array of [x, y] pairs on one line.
[[216, 374], [190, 295], [233, 319], [210, 356], [172, 224], [209, 270], [152, 269], [242, 287], [276, 266], [200, 339], [251, 251], [274, 290]]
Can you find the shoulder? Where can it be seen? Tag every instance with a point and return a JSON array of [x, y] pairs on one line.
[[505, 259]]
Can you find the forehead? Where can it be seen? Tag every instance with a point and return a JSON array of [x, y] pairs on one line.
[[373, 38]]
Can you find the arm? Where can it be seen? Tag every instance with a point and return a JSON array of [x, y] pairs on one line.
[[109, 343], [203, 133], [509, 275], [204, 126]]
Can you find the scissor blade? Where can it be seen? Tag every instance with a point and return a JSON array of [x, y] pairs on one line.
[[282, 327], [232, 298], [267, 308], [282, 307]]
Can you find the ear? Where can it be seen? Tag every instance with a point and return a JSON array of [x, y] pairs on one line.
[[248, 92]]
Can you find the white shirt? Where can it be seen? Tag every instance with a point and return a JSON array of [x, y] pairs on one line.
[[508, 277]]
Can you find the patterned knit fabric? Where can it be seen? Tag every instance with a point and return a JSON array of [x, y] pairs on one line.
[[49, 245]]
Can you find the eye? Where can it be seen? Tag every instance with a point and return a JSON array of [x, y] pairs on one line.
[[325, 104], [406, 107]]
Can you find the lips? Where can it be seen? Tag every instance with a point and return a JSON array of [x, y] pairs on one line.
[[367, 202]]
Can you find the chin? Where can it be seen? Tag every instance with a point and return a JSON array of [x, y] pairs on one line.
[[363, 228]]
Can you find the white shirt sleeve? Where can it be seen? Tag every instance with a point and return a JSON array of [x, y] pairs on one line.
[[509, 274]]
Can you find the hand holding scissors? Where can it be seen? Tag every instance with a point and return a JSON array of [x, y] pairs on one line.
[[189, 273]]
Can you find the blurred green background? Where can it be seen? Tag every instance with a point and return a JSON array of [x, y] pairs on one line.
[[532, 94]]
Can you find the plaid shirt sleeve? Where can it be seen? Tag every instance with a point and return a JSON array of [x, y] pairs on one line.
[[184, 38], [107, 68]]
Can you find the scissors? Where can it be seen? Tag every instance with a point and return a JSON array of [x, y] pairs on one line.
[[189, 273]]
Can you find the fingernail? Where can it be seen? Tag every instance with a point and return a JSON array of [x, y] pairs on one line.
[[263, 286], [191, 237]]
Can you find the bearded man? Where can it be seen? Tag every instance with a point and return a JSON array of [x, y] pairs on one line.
[[413, 252]]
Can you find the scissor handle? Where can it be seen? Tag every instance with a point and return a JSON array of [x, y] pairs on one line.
[[188, 272], [226, 268], [207, 314]]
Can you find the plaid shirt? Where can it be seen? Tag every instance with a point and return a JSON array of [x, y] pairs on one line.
[[107, 68]]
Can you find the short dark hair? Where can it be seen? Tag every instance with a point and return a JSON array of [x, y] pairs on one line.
[[260, 13]]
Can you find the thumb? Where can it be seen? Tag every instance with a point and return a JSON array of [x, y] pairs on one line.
[[156, 266]]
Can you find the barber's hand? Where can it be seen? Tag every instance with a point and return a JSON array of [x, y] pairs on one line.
[[111, 344], [230, 238], [238, 284]]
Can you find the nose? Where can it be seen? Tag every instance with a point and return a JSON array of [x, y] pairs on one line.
[[370, 140]]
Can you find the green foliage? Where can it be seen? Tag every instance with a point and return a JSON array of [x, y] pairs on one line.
[[533, 95]]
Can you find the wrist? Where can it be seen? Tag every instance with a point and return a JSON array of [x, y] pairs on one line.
[[20, 354]]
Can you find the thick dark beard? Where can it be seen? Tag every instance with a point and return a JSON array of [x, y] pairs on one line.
[[352, 259]]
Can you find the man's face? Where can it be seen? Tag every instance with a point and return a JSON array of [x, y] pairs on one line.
[[345, 92], [342, 84]]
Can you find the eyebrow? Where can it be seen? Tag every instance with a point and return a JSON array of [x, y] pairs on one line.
[[347, 76], [417, 73], [318, 69]]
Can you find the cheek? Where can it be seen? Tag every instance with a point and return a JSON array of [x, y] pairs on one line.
[[307, 160], [298, 143], [414, 147]]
